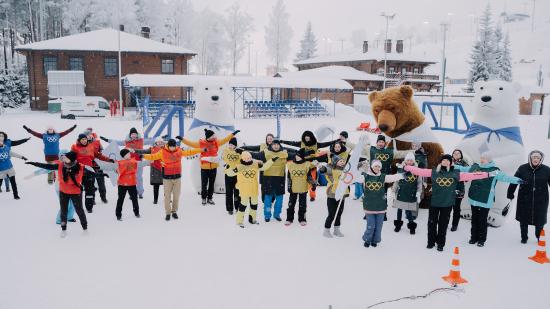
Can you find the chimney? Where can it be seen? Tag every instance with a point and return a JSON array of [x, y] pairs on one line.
[[365, 46], [388, 46], [145, 32], [399, 46], [121, 28]]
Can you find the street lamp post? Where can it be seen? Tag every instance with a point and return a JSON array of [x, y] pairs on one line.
[[388, 18], [445, 27]]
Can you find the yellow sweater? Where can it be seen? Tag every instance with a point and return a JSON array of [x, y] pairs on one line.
[[278, 167], [231, 158], [196, 144], [298, 175], [247, 177]]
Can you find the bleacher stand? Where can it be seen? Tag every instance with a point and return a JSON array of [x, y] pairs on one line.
[[284, 108]]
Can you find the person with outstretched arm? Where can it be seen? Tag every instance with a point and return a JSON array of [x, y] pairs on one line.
[[50, 138], [6, 166], [70, 174], [12, 143], [445, 178]]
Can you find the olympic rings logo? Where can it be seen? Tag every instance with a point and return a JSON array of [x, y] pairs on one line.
[[298, 173], [3, 156], [373, 186], [51, 139], [411, 178], [249, 173], [444, 182], [233, 157], [382, 156]]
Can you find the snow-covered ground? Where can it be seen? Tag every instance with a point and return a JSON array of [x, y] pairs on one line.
[[203, 260]]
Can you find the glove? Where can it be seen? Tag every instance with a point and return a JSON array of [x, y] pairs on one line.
[[74, 126], [418, 197], [510, 196], [236, 132], [493, 173], [274, 159], [26, 128], [236, 170], [239, 150], [104, 139], [179, 137], [399, 165], [29, 163], [111, 160], [24, 158], [140, 156]]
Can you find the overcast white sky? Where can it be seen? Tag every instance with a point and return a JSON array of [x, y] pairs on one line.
[[336, 19]]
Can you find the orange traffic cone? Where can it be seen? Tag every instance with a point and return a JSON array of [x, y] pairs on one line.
[[540, 256], [454, 277]]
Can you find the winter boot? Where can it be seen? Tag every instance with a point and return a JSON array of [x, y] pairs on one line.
[[439, 248], [327, 233], [337, 232], [303, 223], [398, 224], [230, 212], [366, 244], [175, 215], [63, 233], [480, 244], [104, 199], [252, 216], [374, 244], [203, 201], [454, 228], [524, 240], [412, 227], [430, 246], [472, 241], [119, 218], [267, 220], [167, 218], [278, 219], [287, 223], [210, 201], [240, 218]]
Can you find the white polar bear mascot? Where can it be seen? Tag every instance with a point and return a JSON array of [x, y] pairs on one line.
[[213, 111], [495, 126]]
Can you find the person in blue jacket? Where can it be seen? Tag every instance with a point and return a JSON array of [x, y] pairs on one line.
[[4, 138], [481, 195], [50, 138], [6, 166]]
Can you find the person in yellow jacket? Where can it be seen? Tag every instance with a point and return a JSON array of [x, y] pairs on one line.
[[335, 207], [170, 157], [209, 160], [298, 171], [231, 157], [247, 183]]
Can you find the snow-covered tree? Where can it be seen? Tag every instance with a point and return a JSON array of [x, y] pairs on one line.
[[278, 34], [238, 25], [308, 45], [13, 89], [504, 61], [483, 58], [179, 23], [209, 43]]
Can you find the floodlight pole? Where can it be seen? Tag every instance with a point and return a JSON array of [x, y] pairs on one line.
[[388, 18]]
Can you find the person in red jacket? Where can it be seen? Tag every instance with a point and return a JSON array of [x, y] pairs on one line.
[[99, 175], [85, 154], [70, 174], [155, 177]]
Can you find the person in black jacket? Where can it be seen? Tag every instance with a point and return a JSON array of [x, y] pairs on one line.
[[532, 205]]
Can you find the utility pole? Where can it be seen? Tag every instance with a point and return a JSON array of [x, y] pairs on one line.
[[444, 27], [533, 17], [120, 28], [41, 18], [388, 18]]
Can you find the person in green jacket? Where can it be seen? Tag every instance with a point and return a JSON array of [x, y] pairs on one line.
[[481, 195], [374, 201], [408, 192]]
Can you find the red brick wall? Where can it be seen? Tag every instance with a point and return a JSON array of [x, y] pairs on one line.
[[97, 84]]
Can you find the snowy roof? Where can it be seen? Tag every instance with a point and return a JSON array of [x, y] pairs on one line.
[[106, 40], [163, 80], [333, 71], [377, 55]]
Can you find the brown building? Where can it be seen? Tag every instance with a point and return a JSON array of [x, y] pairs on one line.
[[402, 68], [96, 53]]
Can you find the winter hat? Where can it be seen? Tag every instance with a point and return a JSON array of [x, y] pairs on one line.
[[301, 153], [410, 156], [487, 155], [246, 156], [344, 134], [172, 143], [71, 156], [381, 138], [124, 152], [233, 141], [133, 130], [376, 163], [446, 157], [81, 136], [208, 133]]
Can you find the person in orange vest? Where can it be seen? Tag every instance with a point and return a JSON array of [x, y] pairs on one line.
[[170, 158], [209, 160], [155, 176], [70, 174], [85, 155], [126, 169], [134, 141], [99, 175]]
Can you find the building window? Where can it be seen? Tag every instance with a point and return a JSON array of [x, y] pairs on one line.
[[50, 63], [392, 70], [380, 71], [167, 66], [415, 70], [76, 64], [110, 67], [403, 70]]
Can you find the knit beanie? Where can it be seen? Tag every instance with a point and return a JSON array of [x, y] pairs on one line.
[[208, 133], [124, 152], [344, 134], [133, 130], [233, 141], [71, 156], [381, 138], [301, 153], [376, 163], [81, 136], [446, 157], [410, 156], [172, 143]]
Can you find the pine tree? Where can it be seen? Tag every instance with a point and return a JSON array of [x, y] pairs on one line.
[[239, 26], [278, 34], [483, 60], [13, 89], [505, 61], [308, 45], [498, 52]]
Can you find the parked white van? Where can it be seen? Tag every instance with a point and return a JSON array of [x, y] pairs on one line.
[[72, 107]]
